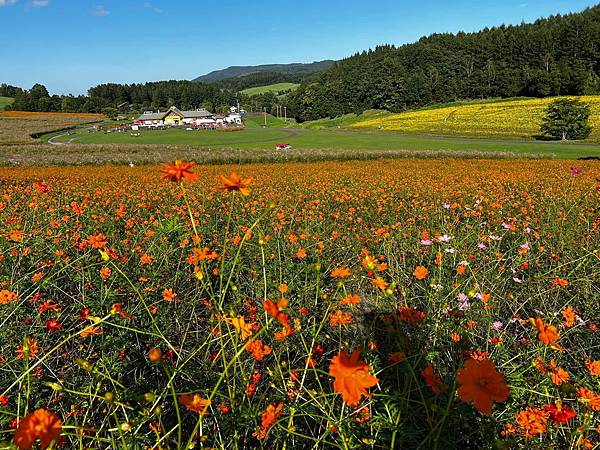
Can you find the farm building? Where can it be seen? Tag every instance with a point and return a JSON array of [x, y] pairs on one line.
[[174, 116]]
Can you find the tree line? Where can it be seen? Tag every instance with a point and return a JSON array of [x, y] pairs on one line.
[[110, 98], [559, 55]]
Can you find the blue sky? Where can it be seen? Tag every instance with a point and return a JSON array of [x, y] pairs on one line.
[[70, 45]]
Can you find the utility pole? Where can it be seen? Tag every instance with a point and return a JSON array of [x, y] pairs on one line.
[[285, 109], [265, 113]]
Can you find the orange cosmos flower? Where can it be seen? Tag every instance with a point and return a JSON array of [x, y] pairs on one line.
[[169, 295], [155, 354], [195, 403], [352, 377], [557, 374], [7, 297], [532, 421], [97, 241], [179, 171], [301, 253], [547, 333], [40, 425], [433, 380], [339, 318], [560, 282], [589, 398], [481, 384], [350, 300], [28, 349], [105, 273], [420, 272], [380, 283], [569, 314], [235, 183], [89, 331], [239, 323], [341, 272], [258, 350], [593, 367], [269, 418]]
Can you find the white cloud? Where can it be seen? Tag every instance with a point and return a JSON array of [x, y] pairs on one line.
[[7, 2], [101, 11], [39, 3]]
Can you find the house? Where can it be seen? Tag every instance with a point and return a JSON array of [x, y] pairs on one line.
[[173, 116]]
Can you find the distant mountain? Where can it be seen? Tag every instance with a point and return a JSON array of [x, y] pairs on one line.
[[292, 69]]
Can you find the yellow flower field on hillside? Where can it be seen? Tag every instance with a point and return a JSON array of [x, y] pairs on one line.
[[513, 118]]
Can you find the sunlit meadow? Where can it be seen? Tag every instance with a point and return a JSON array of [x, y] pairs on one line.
[[428, 304]]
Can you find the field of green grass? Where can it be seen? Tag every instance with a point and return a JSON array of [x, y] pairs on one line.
[[275, 88], [265, 138], [5, 101], [271, 122]]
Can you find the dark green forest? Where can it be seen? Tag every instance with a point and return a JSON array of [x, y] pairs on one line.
[[108, 97], [559, 55]]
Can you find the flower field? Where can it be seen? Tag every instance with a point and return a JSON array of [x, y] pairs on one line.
[[405, 304], [513, 118]]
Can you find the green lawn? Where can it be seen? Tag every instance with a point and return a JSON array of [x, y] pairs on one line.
[[5, 101], [271, 122], [266, 138], [276, 88]]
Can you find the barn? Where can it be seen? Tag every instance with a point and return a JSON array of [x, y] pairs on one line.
[[173, 116]]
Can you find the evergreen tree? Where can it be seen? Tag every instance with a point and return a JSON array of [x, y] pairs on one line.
[[566, 119]]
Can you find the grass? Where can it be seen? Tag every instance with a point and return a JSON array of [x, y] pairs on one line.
[[512, 118], [5, 101], [344, 121], [258, 121], [275, 88], [144, 313], [265, 139]]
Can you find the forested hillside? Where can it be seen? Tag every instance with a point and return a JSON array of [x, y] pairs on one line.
[[555, 56]]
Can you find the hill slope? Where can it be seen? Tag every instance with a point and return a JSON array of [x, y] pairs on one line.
[[238, 71], [515, 118], [5, 101], [276, 88], [554, 56]]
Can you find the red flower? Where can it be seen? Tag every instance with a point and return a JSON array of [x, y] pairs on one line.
[[560, 413]]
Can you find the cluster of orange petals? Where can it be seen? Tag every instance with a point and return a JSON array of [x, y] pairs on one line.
[[480, 383], [195, 403], [41, 425], [274, 310], [258, 349], [234, 183], [352, 377], [548, 334], [7, 296], [420, 273], [269, 418], [239, 323], [433, 380], [532, 421], [179, 171]]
